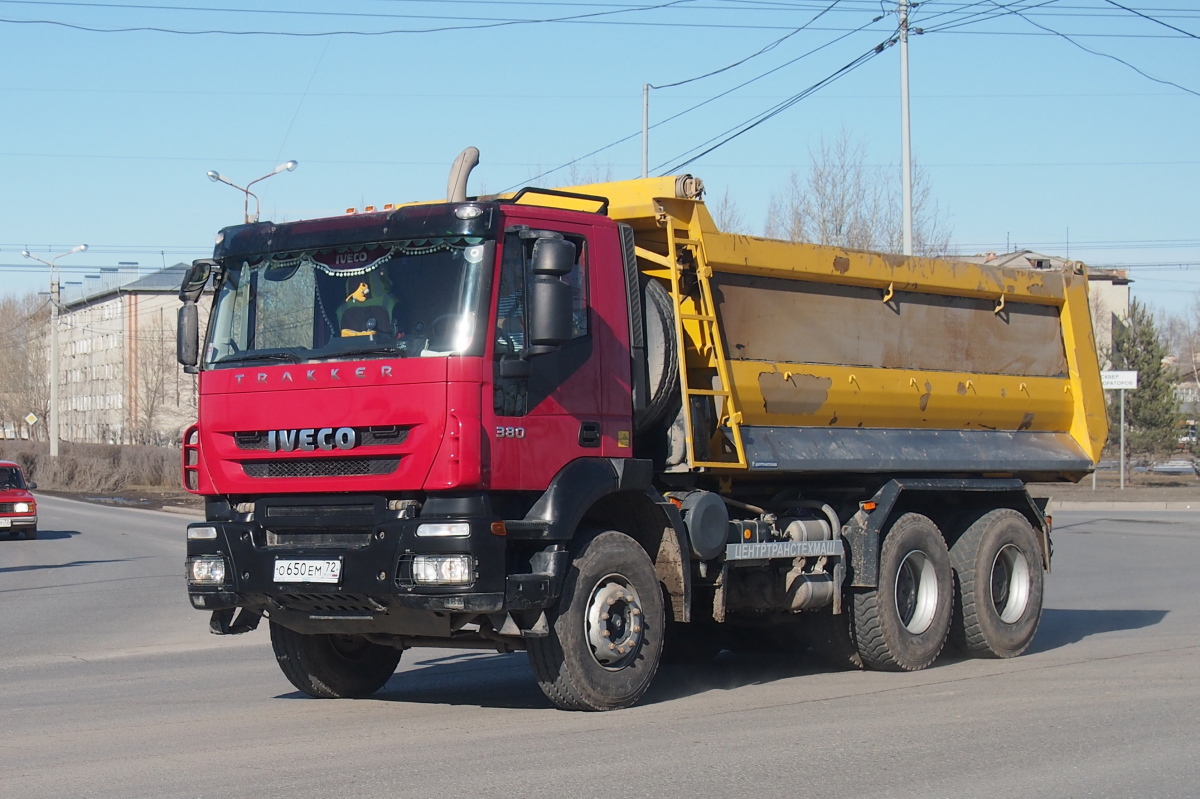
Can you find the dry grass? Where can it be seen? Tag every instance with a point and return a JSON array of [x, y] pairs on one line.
[[95, 467]]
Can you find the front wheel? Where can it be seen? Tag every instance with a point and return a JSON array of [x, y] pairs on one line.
[[606, 635], [902, 624], [999, 567], [333, 666]]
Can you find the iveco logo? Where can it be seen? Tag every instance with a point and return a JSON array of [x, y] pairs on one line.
[[312, 438]]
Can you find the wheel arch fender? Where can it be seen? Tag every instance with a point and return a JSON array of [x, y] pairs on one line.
[[618, 493]]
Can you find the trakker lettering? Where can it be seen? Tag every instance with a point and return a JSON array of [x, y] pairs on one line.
[[311, 438], [360, 372]]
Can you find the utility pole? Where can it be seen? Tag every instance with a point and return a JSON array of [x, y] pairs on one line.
[[52, 423], [905, 144], [645, 130]]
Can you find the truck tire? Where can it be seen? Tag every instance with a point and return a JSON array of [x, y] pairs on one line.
[[902, 624], [998, 566], [333, 666], [606, 634], [662, 361]]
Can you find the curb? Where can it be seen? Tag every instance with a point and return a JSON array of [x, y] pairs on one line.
[[182, 511], [1124, 506]]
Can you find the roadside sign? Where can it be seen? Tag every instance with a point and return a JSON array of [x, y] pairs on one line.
[[1119, 380], [31, 419]]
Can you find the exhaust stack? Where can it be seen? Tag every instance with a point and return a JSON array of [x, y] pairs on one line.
[[456, 186]]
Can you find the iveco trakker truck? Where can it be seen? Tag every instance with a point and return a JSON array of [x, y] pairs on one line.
[[587, 424]]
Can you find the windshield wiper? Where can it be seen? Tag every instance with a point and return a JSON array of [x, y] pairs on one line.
[[290, 357], [381, 349]]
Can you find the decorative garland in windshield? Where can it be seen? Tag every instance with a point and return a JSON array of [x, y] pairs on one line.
[[344, 262]]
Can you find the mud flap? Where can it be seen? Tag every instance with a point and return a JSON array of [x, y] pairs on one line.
[[223, 622]]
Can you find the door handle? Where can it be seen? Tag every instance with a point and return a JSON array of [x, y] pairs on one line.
[[589, 434]]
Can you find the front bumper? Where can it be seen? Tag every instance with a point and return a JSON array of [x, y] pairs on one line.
[[17, 522], [375, 591]]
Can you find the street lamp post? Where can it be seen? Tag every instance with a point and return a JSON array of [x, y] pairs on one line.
[[217, 177], [52, 423]]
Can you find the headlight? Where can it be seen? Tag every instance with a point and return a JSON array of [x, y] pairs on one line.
[[443, 569], [21, 507], [206, 570], [451, 530]]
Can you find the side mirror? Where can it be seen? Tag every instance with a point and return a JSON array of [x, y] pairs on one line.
[[550, 298], [195, 279], [187, 336], [32, 486]]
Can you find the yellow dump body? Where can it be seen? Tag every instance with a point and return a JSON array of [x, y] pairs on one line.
[[820, 358]]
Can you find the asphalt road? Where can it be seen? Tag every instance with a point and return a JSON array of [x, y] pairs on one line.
[[113, 687]]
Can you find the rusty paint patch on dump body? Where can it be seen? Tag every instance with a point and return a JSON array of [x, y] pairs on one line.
[[962, 388], [841, 264], [796, 395], [1026, 422], [925, 397], [793, 321]]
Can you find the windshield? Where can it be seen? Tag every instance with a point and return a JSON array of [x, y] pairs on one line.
[[11, 478], [414, 298]]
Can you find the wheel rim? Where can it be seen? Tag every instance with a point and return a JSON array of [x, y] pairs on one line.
[[916, 592], [1010, 584], [614, 622]]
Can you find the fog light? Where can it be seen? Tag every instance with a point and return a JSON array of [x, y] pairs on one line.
[[201, 533], [21, 507], [206, 570], [449, 530], [443, 569]]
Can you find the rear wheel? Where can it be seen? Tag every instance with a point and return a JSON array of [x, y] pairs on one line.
[[606, 635], [333, 666], [902, 624], [998, 564]]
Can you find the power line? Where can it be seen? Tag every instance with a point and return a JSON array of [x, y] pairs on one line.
[[1152, 19], [766, 49], [753, 122], [705, 102], [1103, 55], [496, 23]]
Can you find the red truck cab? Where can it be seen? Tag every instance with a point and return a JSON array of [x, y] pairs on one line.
[[403, 417]]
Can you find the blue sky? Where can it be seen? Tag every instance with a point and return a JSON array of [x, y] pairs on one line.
[[1025, 137]]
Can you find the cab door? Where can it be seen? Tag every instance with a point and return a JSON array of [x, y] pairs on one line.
[[546, 408]]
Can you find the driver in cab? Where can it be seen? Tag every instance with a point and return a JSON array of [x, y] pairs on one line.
[[362, 314]]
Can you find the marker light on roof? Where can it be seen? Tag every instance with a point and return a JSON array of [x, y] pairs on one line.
[[468, 211]]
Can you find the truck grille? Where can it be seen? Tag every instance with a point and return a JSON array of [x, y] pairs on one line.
[[375, 436], [321, 467], [307, 539], [329, 603], [8, 507]]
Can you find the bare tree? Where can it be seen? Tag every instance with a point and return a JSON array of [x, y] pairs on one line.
[[24, 361], [165, 395], [844, 202], [727, 215]]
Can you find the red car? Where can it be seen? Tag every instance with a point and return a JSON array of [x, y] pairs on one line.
[[18, 508]]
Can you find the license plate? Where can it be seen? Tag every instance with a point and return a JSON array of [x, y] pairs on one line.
[[5, 522], [308, 571]]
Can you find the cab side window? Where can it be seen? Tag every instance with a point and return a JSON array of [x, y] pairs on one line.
[[515, 275]]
